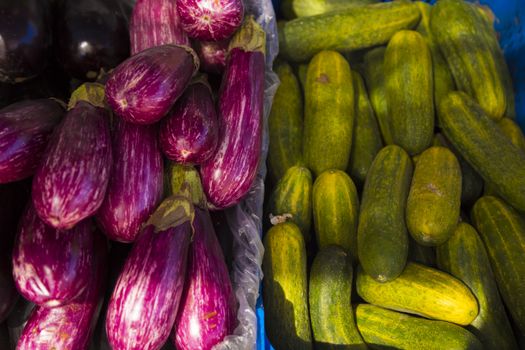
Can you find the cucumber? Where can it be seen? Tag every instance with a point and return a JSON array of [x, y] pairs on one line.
[[305, 8], [464, 257], [302, 71], [336, 208], [460, 33], [502, 229], [285, 124], [292, 198], [423, 291], [382, 238], [385, 329], [421, 254], [434, 200], [331, 313], [482, 143], [409, 85], [374, 75], [367, 138], [329, 113], [285, 288], [349, 30]]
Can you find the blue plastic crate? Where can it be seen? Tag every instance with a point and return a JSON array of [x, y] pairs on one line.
[[510, 24]]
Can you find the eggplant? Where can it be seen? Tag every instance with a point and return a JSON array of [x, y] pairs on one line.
[[212, 55], [18, 319], [144, 304], [208, 307], [26, 36], [144, 87], [92, 36], [136, 183], [69, 326], [71, 182], [230, 173], [189, 134], [210, 20], [155, 23], [52, 267], [25, 129]]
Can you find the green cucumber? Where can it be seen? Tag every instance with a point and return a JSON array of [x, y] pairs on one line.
[[305, 8], [421, 254]]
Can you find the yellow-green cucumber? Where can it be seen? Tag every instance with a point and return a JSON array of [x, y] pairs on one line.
[[349, 30], [386, 329], [423, 291], [382, 237], [305, 8], [335, 204], [331, 312], [285, 124], [409, 84], [464, 257], [329, 113], [367, 137], [302, 71], [285, 288], [502, 229], [421, 254], [434, 200]]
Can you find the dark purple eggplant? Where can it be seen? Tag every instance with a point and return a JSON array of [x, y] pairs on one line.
[[136, 183], [229, 174], [189, 134], [210, 20], [212, 55], [52, 267], [25, 129], [146, 298], [25, 39], [70, 326], [91, 35], [145, 86], [155, 23], [71, 182], [208, 308]]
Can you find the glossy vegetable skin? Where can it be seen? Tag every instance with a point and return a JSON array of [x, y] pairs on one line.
[[212, 55], [136, 183], [25, 129]]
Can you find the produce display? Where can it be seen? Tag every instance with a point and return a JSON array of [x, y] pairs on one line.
[[123, 125], [393, 131]]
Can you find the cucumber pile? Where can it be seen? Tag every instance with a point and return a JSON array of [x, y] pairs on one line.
[[395, 215]]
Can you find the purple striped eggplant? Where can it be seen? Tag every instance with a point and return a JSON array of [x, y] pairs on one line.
[[144, 304], [208, 307], [51, 267], [229, 174], [144, 87], [69, 327], [189, 133], [210, 20], [155, 23], [71, 182], [212, 55], [25, 129], [8, 293], [136, 183]]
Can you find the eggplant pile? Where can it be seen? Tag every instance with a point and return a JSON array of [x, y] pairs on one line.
[[113, 134]]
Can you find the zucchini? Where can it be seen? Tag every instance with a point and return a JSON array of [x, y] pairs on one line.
[[423, 291], [409, 85], [382, 238], [374, 75], [434, 200], [331, 313], [329, 113], [464, 257], [336, 207], [292, 198], [367, 138], [349, 30], [482, 143], [502, 229], [285, 124], [285, 288], [385, 329], [460, 33]]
